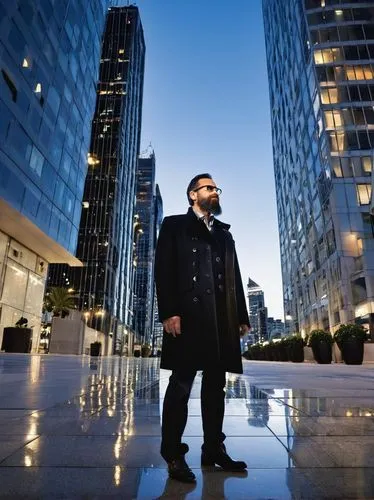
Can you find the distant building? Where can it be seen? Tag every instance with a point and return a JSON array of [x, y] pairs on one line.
[[275, 328], [104, 286], [257, 311], [145, 248], [49, 60]]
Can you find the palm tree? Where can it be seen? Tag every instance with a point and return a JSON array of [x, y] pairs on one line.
[[59, 301]]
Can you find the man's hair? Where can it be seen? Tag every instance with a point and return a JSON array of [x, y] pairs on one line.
[[193, 184]]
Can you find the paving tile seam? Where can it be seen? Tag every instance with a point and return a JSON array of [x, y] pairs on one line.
[[26, 443], [163, 468], [158, 435]]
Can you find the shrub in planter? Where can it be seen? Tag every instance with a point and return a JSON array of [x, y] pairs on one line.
[[255, 351], [321, 344], [247, 354], [350, 340], [282, 347], [266, 351], [276, 352], [146, 351], [295, 348]]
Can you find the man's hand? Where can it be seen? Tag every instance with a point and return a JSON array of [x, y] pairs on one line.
[[173, 325], [243, 330]]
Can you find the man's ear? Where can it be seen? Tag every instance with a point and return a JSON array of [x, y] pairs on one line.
[[193, 195]]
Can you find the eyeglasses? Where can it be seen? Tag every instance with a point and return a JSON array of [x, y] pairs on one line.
[[209, 188]]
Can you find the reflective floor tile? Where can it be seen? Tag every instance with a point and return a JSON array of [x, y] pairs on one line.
[[147, 484], [133, 451], [331, 451], [150, 409], [321, 426], [333, 406], [69, 483], [232, 426], [11, 444], [125, 425]]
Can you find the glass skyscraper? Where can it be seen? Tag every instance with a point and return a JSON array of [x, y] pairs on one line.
[[257, 311], [49, 60], [145, 249], [320, 56], [104, 285]]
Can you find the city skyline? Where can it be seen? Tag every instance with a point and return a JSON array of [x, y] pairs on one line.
[[206, 109]]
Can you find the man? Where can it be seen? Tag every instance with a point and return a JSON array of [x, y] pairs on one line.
[[202, 306]]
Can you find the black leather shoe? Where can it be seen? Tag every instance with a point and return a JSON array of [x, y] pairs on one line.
[[221, 458], [179, 470]]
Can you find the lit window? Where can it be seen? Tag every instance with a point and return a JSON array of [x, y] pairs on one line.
[[333, 119], [92, 159], [85, 204], [121, 51], [363, 193], [335, 162], [368, 72], [338, 140], [366, 164], [38, 88], [329, 96], [25, 63], [359, 246], [360, 75], [350, 72]]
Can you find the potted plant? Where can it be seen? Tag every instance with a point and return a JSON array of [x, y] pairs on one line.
[[58, 301], [146, 350], [350, 339], [17, 338], [295, 348], [321, 343]]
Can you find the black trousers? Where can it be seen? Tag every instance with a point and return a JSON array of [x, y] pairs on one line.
[[175, 409]]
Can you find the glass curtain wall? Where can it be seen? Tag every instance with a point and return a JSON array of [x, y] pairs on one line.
[[320, 58]]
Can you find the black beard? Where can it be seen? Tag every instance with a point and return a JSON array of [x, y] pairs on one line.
[[212, 206]]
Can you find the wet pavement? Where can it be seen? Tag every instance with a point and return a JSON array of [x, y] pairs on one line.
[[80, 427]]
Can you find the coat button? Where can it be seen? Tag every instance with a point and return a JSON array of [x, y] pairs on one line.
[[195, 299], [219, 277], [208, 291], [220, 287], [194, 278], [194, 250], [218, 259]]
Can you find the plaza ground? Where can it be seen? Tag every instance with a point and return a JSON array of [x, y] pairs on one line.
[[81, 427]]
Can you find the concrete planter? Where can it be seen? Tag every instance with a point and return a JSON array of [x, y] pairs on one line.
[[16, 339]]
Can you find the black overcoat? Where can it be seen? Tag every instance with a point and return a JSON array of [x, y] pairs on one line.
[[185, 278]]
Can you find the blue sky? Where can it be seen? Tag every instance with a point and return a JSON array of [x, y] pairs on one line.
[[206, 109]]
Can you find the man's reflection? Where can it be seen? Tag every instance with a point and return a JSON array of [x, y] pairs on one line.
[[212, 485], [175, 489]]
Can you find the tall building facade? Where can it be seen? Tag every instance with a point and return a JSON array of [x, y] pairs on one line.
[[49, 59], [257, 311], [145, 248], [104, 285], [157, 325], [320, 56]]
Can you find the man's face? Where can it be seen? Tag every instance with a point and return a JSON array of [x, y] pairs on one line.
[[206, 197]]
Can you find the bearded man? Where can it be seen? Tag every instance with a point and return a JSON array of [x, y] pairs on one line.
[[202, 306]]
